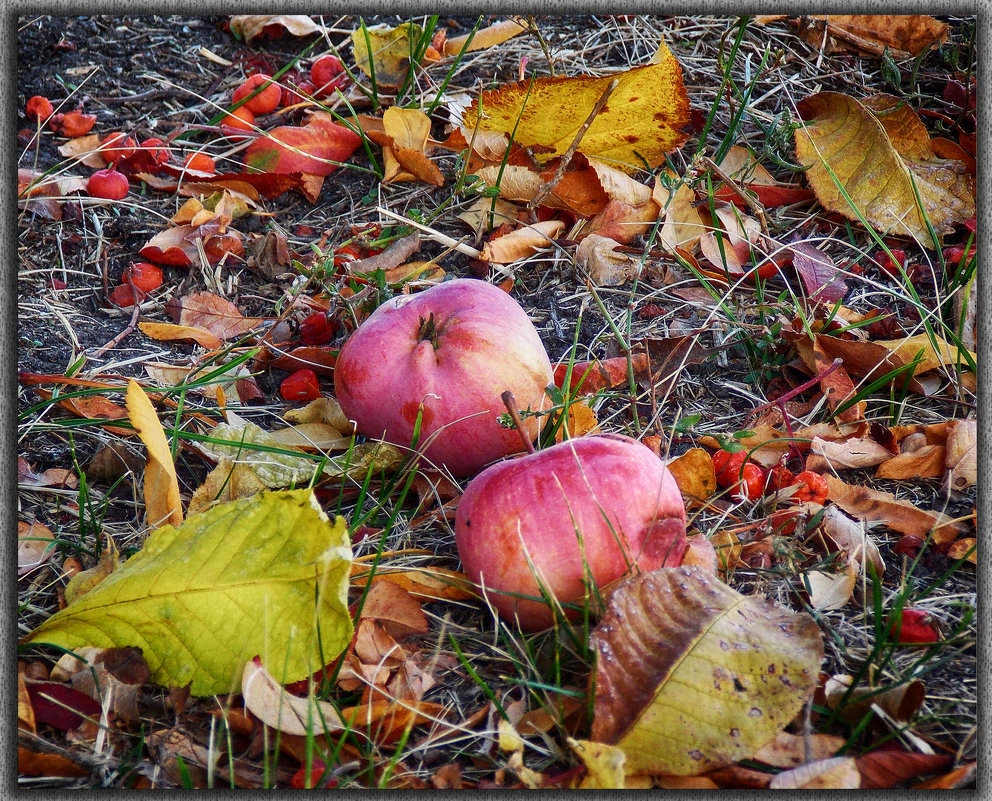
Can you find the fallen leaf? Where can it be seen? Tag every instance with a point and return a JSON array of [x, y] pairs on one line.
[[268, 700], [699, 552], [831, 590], [682, 224], [852, 537], [399, 612], [606, 765], [177, 246], [881, 769], [404, 143], [904, 35], [588, 377], [875, 506], [317, 148], [61, 706], [853, 453], [169, 332], [31, 763], [484, 38], [841, 135], [113, 677], [522, 243], [901, 702], [161, 487], [728, 550], [214, 314], [955, 780], [962, 454], [964, 548], [644, 118], [311, 437], [25, 712], [597, 257], [390, 50], [789, 750], [692, 675], [87, 580], [694, 473], [251, 26], [925, 462], [820, 276], [838, 773], [385, 722], [431, 584], [35, 545], [225, 483], [235, 581]]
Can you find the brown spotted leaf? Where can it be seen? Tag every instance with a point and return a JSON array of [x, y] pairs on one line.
[[857, 170], [692, 675]]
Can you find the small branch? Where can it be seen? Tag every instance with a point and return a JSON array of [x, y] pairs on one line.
[[545, 190], [137, 296], [437, 236], [787, 396], [511, 406]]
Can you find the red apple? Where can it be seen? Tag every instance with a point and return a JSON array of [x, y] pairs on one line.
[[446, 355], [607, 498]]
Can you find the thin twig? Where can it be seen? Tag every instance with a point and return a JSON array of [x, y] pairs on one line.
[[752, 203], [437, 236], [137, 296], [567, 155], [511, 406]]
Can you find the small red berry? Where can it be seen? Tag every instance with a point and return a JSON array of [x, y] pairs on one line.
[[108, 184], [752, 483], [727, 467], [327, 74], [39, 108], [156, 149], [75, 124], [914, 627], [266, 101], [780, 477], [345, 255], [241, 119], [300, 386], [201, 162], [116, 146], [813, 487], [316, 329]]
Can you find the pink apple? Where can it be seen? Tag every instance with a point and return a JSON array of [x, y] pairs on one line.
[[607, 497], [444, 355]]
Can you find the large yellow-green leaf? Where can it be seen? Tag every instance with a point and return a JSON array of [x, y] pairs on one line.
[[872, 162], [643, 119], [693, 675], [263, 576]]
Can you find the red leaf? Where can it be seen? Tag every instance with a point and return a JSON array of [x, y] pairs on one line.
[[60, 705], [602, 373], [769, 195], [308, 149], [823, 281], [883, 769]]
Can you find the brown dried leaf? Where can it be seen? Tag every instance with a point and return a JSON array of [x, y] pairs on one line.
[[839, 773], [399, 612], [851, 453], [226, 482], [964, 548], [25, 712], [831, 590], [86, 580], [682, 224], [882, 768], [692, 675], [215, 314], [596, 255], [901, 702], [694, 473], [169, 332], [250, 26], [789, 750], [925, 462], [905, 35], [31, 763], [35, 545], [404, 142], [432, 584], [484, 38], [875, 506], [699, 552], [852, 537]]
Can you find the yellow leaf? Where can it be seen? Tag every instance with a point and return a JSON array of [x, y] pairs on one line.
[[390, 49], [404, 142], [162, 501], [693, 675], [225, 483], [694, 474], [856, 170], [265, 576], [605, 765], [642, 120], [495, 34]]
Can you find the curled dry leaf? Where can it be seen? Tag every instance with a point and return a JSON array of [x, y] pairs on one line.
[[852, 453], [162, 502], [883, 768], [923, 462], [87, 580], [904, 35], [852, 537], [962, 454], [789, 750], [484, 38], [598, 257], [169, 332], [311, 437], [399, 612], [643, 120], [522, 242], [838, 773], [250, 26], [964, 548], [267, 700], [682, 224], [322, 410], [694, 473], [404, 141], [214, 314], [699, 552], [606, 765], [693, 675], [901, 702], [875, 506], [831, 590], [842, 136]]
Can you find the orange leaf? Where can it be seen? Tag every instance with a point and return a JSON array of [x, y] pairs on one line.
[[592, 376], [310, 149], [399, 613], [904, 35], [215, 314], [926, 462], [694, 474], [484, 38], [168, 332], [522, 242]]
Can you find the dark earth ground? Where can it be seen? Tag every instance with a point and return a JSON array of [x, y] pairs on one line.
[[157, 87]]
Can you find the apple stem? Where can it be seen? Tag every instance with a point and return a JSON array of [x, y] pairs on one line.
[[428, 330], [511, 406]]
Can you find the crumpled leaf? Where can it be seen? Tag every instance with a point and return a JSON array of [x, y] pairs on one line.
[[852, 537], [598, 257], [905, 35], [741, 165], [831, 590], [878, 177], [162, 501], [875, 506], [86, 580], [251, 26], [169, 332], [404, 143], [838, 773], [643, 119], [692, 675], [225, 483], [268, 700], [203, 598], [310, 149], [399, 613], [925, 462], [522, 243], [694, 473], [883, 768]]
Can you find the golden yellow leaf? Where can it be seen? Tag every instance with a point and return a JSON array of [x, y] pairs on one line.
[[162, 501], [605, 765], [404, 142], [169, 331], [856, 170], [692, 675], [390, 49], [484, 38], [694, 473], [643, 119], [965, 548]]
